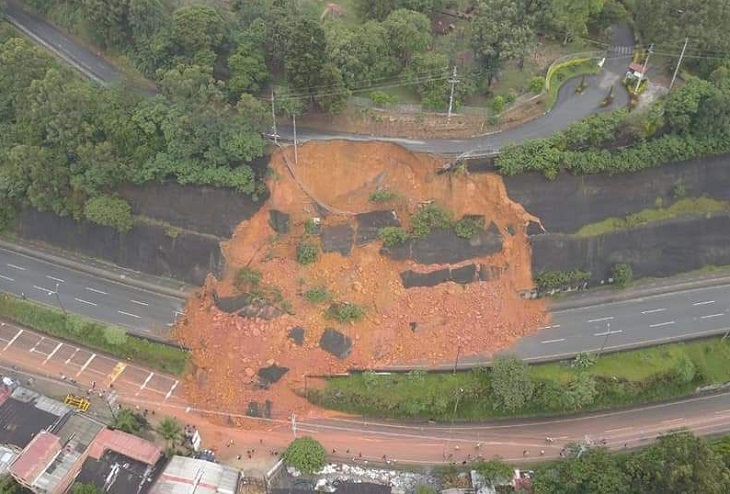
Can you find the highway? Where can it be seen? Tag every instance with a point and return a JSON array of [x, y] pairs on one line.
[[139, 311]]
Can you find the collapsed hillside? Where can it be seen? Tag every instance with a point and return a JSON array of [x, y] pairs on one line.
[[270, 311]]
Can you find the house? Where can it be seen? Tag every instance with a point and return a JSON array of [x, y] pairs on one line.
[[184, 475], [24, 413], [636, 71]]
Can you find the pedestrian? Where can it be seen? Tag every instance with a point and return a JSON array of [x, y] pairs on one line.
[[542, 452], [261, 442], [359, 454], [238, 457], [524, 452], [334, 451], [348, 451]]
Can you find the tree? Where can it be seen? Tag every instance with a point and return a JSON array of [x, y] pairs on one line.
[[571, 18], [510, 383], [596, 470], [306, 55], [79, 488], [128, 421], [375, 9], [499, 32], [408, 33], [110, 211], [306, 455], [171, 431], [681, 107], [196, 29], [581, 391], [678, 462], [248, 69], [332, 96], [8, 485], [494, 471]]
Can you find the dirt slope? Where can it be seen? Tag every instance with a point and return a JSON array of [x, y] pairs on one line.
[[480, 317]]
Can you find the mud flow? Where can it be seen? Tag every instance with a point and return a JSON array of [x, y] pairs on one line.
[[253, 342]]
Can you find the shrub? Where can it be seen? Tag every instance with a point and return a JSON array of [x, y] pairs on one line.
[[317, 295], [307, 253], [382, 99], [511, 97], [393, 235], [109, 211], [429, 217], [622, 274], [511, 383], [345, 312], [468, 227], [537, 84], [498, 104], [311, 227], [247, 279], [382, 195], [553, 280], [306, 455]]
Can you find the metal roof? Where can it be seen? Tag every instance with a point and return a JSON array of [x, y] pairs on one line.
[[182, 473]]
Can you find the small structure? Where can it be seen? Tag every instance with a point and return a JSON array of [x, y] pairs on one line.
[[184, 475], [635, 71], [23, 413]]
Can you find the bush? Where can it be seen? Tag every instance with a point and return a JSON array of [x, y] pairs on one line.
[[306, 455], [429, 217], [511, 383], [393, 235], [498, 104], [317, 295], [311, 227], [345, 312], [110, 339], [109, 211], [537, 84], [247, 279], [382, 195], [382, 99], [553, 280], [622, 274], [7, 214], [468, 227], [307, 253]]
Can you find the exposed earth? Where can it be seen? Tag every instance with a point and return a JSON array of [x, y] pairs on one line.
[[478, 313]]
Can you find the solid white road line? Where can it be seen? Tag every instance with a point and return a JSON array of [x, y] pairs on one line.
[[15, 267], [172, 388], [139, 303], [55, 279], [43, 289], [144, 384], [552, 341], [68, 360], [12, 340], [86, 364], [620, 429], [96, 291], [659, 325], [705, 302], [37, 343], [6, 278], [52, 353], [608, 332], [711, 316], [128, 314], [84, 301], [652, 311], [601, 319]]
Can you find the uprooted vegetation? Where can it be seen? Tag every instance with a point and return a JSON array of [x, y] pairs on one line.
[[354, 303]]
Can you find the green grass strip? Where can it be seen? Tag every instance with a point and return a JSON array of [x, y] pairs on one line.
[[621, 379], [110, 339]]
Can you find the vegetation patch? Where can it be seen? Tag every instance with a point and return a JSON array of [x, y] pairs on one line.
[[468, 226], [248, 280], [555, 280], [683, 207], [512, 388], [344, 312], [110, 339], [109, 211], [317, 295], [563, 72], [430, 217], [383, 195], [307, 253], [393, 235]]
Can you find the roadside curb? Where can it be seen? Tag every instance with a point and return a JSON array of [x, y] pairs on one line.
[[101, 273]]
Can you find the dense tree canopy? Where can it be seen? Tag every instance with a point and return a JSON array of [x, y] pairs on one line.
[[305, 454]]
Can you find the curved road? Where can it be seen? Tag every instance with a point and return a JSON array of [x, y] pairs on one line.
[[406, 442], [569, 107]]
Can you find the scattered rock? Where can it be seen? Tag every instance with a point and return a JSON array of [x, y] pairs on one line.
[[335, 343]]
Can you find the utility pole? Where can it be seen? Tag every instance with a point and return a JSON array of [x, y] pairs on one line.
[[456, 361], [676, 70], [273, 117], [58, 299], [453, 82], [643, 70], [605, 340], [296, 153]]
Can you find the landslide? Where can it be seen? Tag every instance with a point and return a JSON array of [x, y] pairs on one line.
[[418, 325]]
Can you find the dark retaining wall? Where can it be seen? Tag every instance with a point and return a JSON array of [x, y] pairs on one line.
[[654, 250]]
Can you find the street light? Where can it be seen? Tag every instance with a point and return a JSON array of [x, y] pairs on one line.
[[58, 299]]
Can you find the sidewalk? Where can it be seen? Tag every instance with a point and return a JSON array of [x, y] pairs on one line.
[[96, 267], [640, 289]]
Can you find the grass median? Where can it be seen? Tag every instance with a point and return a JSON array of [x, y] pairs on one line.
[[586, 383], [110, 339]]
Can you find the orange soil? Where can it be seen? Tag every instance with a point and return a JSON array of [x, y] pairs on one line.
[[481, 318]]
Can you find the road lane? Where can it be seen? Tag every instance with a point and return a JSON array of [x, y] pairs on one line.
[[139, 311]]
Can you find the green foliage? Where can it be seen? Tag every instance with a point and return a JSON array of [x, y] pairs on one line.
[[247, 279], [408, 33], [307, 252], [495, 472], [553, 280], [171, 431], [109, 211], [393, 235], [622, 274], [248, 69], [468, 226], [93, 335], [511, 384], [498, 104], [537, 84], [382, 99], [317, 295], [584, 360], [429, 217], [8, 485], [128, 421], [80, 488], [596, 470], [383, 194], [311, 227], [306, 455], [345, 312]]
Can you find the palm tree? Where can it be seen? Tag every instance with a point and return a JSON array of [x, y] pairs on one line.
[[127, 421], [170, 430]]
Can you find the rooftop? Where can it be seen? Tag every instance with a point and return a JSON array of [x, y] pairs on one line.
[[636, 67], [24, 413], [39, 452], [126, 444], [116, 473], [182, 473], [7, 457]]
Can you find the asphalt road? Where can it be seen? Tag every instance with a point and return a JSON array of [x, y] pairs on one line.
[[139, 311], [71, 51]]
